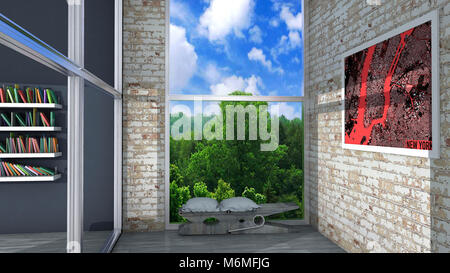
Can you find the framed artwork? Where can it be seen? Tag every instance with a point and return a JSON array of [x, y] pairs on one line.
[[391, 91]]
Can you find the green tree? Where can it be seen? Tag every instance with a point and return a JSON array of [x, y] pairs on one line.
[[178, 197], [201, 190], [175, 175], [251, 193], [223, 191]]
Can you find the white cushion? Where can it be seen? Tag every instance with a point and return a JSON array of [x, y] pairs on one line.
[[200, 204], [237, 204]]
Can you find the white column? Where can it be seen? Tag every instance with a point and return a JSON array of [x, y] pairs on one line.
[[75, 129], [118, 119]]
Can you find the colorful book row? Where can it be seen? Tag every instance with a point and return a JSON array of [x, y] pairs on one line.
[[11, 169], [22, 144], [12, 94], [34, 118]]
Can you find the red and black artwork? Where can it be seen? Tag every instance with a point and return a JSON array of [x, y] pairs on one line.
[[388, 92]]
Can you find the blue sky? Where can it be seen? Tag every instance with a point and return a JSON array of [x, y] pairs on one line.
[[218, 46]]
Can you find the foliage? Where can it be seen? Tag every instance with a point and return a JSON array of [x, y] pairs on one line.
[[201, 190], [178, 196], [175, 175], [295, 214], [223, 191], [251, 193]]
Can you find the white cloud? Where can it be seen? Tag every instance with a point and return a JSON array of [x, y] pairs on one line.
[[258, 55], [286, 110], [183, 59], [274, 22], [211, 73], [293, 22], [255, 34], [224, 17], [276, 5], [235, 83], [286, 44], [181, 11], [294, 39]]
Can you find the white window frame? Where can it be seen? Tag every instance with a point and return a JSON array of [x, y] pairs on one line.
[[177, 97]]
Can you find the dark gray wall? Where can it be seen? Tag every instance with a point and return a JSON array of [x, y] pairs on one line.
[[99, 39], [41, 207]]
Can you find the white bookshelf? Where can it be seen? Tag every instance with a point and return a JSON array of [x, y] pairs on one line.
[[31, 105], [29, 129], [11, 106], [46, 178], [30, 155]]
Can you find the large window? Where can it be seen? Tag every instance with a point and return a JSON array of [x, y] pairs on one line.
[[235, 123]]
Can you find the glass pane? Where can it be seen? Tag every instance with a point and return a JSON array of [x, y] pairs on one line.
[[215, 155], [220, 46], [46, 20], [99, 39], [33, 205], [98, 168]]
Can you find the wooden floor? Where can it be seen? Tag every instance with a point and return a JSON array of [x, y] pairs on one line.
[[306, 241], [53, 242]]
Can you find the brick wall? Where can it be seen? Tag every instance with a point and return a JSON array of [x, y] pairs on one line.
[[367, 201], [143, 114]]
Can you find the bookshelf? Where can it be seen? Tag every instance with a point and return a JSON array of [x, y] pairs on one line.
[[30, 155], [49, 178], [31, 100], [31, 105], [29, 129]]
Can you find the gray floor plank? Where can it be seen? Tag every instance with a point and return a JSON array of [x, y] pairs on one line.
[[306, 241], [52, 242]]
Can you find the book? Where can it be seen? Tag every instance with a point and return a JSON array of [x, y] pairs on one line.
[[5, 169], [9, 93], [41, 145], [44, 120], [38, 95], [15, 172], [21, 121], [31, 171], [27, 91], [52, 94], [52, 118], [22, 96], [34, 116], [2, 95], [7, 121], [13, 169], [16, 95]]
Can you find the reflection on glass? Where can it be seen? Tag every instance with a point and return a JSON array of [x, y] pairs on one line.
[[219, 151], [98, 168]]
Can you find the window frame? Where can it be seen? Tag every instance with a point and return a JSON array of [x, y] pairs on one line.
[[180, 97]]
